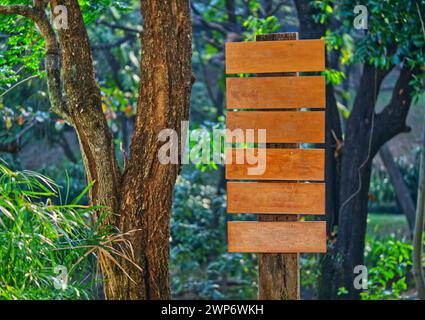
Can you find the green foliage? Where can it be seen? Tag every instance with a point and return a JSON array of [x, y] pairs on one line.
[[334, 77], [203, 140], [92, 9], [22, 50], [394, 33], [389, 264], [256, 26], [67, 174], [12, 120], [381, 193], [324, 11], [309, 271], [36, 236], [388, 261], [201, 267]]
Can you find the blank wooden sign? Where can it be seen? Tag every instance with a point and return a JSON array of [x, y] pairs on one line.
[[276, 92], [282, 126], [275, 56], [276, 197], [276, 237], [280, 164], [290, 179]]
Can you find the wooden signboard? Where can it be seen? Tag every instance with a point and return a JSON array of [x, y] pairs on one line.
[[291, 109]]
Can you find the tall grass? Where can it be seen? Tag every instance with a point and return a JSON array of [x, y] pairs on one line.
[[46, 241]]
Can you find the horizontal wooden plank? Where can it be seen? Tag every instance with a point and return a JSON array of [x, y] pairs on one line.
[[279, 164], [275, 56], [276, 92], [281, 126], [276, 237], [275, 198]]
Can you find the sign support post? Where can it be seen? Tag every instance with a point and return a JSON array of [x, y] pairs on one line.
[[279, 273], [265, 92]]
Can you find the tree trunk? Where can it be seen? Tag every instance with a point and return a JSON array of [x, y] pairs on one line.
[[360, 146], [147, 185], [83, 104], [418, 272], [355, 171], [140, 200]]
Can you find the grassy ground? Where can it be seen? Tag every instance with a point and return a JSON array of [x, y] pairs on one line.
[[382, 224]]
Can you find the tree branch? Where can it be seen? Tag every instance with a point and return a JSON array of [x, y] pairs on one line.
[[106, 46], [269, 10], [25, 11], [392, 120], [52, 60], [15, 145], [120, 27]]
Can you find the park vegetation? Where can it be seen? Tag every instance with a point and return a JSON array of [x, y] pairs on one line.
[[82, 102]]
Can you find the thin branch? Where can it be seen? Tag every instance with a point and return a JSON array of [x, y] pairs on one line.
[[52, 60], [17, 84], [120, 27], [25, 11], [198, 20], [420, 18], [392, 119], [276, 8], [15, 145], [106, 46]]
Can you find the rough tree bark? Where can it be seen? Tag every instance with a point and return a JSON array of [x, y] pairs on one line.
[[166, 80], [140, 198], [84, 106], [360, 146]]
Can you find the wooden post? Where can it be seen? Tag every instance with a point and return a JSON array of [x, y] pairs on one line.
[[279, 273]]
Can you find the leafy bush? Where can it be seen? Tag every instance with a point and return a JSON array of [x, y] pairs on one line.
[[40, 240], [388, 262], [309, 274], [389, 267], [74, 178], [200, 264]]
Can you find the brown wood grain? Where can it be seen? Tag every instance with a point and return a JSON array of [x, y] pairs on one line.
[[276, 237], [281, 126], [275, 56], [281, 164], [276, 198], [276, 92]]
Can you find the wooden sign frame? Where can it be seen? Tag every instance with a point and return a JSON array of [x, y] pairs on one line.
[[292, 110]]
